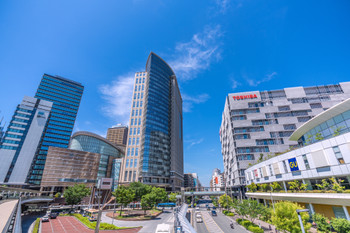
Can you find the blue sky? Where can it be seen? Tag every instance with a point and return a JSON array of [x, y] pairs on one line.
[[216, 47]]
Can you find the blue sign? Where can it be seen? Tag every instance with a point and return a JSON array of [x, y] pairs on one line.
[[293, 164]]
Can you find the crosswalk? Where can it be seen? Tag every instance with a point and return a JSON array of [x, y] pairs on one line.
[[210, 223]]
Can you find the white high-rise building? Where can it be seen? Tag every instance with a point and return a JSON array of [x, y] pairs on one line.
[[257, 124], [218, 180]]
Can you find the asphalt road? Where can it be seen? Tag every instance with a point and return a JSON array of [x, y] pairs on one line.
[[221, 221]]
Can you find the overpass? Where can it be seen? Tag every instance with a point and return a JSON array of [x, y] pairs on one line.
[[204, 193]]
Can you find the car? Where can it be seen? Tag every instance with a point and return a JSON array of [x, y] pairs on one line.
[[53, 215], [214, 208], [198, 214], [199, 219], [163, 228], [197, 208], [213, 213], [44, 218]]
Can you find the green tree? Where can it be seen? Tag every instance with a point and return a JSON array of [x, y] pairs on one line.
[[73, 195], [225, 201], [214, 200], [336, 132], [123, 196], [308, 139], [341, 225], [324, 186], [160, 195], [172, 197], [140, 189], [336, 184], [266, 214], [147, 202], [285, 217], [265, 187], [276, 186], [322, 223], [254, 209], [242, 208], [252, 187], [297, 186], [319, 136]]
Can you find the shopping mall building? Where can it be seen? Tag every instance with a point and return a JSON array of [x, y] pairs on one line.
[[259, 123], [323, 152]]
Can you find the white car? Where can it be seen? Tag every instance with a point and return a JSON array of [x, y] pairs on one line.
[[197, 208], [199, 219], [45, 218]]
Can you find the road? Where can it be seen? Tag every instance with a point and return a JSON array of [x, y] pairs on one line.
[[216, 224], [148, 226]]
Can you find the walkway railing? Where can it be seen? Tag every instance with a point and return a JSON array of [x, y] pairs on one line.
[[181, 223]]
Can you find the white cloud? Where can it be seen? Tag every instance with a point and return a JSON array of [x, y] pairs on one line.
[[193, 142], [235, 84], [189, 101], [223, 5], [267, 78], [118, 95], [197, 54]]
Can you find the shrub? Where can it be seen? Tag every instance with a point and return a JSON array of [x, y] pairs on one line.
[[255, 229], [239, 221], [341, 225], [246, 223], [230, 214], [347, 191], [36, 225], [322, 222]]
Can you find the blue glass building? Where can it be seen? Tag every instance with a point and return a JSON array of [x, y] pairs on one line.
[[66, 96]]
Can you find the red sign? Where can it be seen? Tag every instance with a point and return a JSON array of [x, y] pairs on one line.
[[242, 97], [216, 180]]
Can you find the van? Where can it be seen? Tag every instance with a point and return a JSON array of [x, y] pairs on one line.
[[163, 228]]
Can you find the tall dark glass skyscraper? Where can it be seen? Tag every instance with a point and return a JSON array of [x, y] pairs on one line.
[[66, 96], [155, 135]]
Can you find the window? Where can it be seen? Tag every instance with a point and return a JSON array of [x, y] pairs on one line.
[[138, 95], [137, 141], [284, 108], [338, 155], [127, 163], [289, 127], [315, 105], [130, 174], [126, 176], [137, 152], [141, 103], [138, 131], [306, 162], [130, 132], [135, 162], [131, 161], [143, 87], [139, 121], [133, 104], [285, 166], [134, 131], [134, 176], [132, 152], [136, 113], [128, 151], [137, 105], [132, 122], [271, 172], [140, 112], [129, 141], [133, 141]]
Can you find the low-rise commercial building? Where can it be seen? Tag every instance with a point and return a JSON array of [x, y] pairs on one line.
[[88, 158], [323, 153], [191, 181]]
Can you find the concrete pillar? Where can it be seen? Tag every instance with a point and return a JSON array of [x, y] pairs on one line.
[[264, 202], [311, 208], [285, 186], [346, 212]]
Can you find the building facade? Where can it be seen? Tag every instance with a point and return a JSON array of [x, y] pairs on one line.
[[191, 181], [217, 182], [256, 125], [323, 153], [118, 135], [67, 167], [155, 140], [90, 142], [65, 95], [21, 140]]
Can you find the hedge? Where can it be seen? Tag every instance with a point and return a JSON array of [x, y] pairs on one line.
[[250, 226]]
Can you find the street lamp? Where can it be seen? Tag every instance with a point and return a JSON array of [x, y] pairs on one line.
[[300, 220]]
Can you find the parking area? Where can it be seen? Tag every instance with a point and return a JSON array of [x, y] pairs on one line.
[[69, 224]]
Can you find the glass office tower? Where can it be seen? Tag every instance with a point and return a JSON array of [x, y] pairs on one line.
[[66, 96], [155, 128]]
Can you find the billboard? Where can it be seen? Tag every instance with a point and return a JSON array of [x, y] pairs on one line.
[[105, 183], [293, 164]]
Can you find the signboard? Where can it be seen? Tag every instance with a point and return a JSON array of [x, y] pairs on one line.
[[243, 97], [216, 180], [293, 164], [256, 173], [105, 183]]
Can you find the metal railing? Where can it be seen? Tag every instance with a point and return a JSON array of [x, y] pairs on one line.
[[181, 224]]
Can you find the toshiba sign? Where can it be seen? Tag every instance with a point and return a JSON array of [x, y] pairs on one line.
[[243, 97]]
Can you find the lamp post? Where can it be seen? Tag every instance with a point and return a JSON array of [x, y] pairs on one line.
[[300, 220]]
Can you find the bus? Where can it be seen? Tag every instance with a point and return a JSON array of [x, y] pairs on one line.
[[91, 214], [59, 210], [163, 205]]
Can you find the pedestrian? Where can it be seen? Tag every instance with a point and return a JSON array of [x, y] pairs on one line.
[[270, 227]]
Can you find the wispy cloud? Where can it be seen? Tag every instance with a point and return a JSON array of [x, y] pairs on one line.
[[189, 101], [193, 142], [118, 96], [267, 78], [235, 84], [197, 54], [222, 5]]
